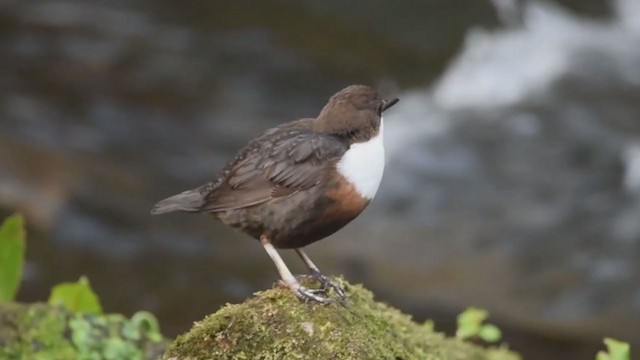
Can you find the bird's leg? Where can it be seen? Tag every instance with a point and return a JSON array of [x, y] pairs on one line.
[[316, 274], [288, 278]]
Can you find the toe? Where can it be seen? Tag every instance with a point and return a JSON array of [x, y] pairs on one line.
[[312, 295]]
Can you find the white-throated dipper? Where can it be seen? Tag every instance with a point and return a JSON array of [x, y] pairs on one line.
[[300, 181]]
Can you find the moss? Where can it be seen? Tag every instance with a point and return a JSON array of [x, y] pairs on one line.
[[274, 324], [40, 331]]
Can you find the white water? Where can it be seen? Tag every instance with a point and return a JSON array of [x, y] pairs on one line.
[[522, 65], [510, 66]]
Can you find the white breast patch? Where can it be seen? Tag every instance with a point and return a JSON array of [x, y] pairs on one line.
[[363, 165]]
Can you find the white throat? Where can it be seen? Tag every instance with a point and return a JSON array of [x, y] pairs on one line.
[[363, 165]]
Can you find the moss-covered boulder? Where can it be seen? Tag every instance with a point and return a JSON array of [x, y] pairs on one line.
[[276, 325], [43, 332]]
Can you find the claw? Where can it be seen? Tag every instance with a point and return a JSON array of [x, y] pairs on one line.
[[316, 275], [312, 295], [337, 288], [325, 283], [328, 283]]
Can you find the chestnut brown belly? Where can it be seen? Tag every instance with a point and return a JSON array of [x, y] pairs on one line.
[[302, 218]]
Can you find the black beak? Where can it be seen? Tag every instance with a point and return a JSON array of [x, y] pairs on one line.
[[388, 103]]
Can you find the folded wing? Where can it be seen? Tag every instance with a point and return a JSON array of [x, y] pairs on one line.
[[283, 164]]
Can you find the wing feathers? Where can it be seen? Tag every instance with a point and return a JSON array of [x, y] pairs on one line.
[[294, 161], [282, 162], [189, 201]]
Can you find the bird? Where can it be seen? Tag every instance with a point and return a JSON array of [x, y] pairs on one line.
[[300, 182]]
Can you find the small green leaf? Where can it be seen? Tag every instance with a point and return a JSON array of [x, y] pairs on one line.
[[12, 249], [464, 333], [490, 333], [469, 322], [473, 316], [76, 297], [116, 348], [616, 350], [147, 323], [429, 325], [471, 325], [81, 333], [131, 331]]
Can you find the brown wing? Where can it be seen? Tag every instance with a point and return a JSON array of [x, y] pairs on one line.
[[276, 165]]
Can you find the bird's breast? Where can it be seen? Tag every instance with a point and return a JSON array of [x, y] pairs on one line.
[[363, 164]]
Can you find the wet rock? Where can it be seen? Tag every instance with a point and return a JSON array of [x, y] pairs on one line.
[[275, 324]]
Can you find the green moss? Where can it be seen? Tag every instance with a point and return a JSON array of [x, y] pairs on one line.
[[276, 325], [40, 331]]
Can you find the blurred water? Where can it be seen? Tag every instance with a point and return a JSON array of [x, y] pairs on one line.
[[512, 177], [525, 156]]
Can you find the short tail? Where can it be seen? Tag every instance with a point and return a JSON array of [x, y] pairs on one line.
[[188, 201]]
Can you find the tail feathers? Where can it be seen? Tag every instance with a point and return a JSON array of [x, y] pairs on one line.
[[189, 201]]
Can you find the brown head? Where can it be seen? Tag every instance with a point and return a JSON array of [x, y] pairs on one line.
[[354, 113]]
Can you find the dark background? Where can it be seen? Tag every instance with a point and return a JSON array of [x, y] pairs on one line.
[[513, 175]]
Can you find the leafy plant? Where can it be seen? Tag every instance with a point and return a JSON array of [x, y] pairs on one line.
[[12, 250], [81, 331], [76, 297], [113, 336], [40, 332], [471, 324], [616, 350]]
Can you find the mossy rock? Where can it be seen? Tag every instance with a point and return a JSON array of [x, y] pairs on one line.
[[274, 324], [43, 332]]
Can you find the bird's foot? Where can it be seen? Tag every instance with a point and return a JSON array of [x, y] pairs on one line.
[[326, 284], [307, 295]]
